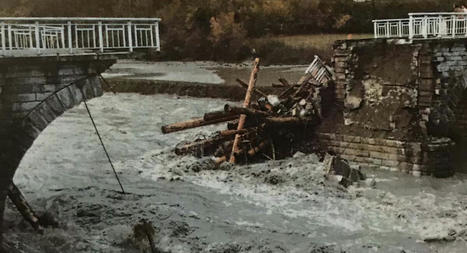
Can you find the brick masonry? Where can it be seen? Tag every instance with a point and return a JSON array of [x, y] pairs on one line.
[[430, 94], [33, 92]]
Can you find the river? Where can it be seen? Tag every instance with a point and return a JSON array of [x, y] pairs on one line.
[[67, 174]]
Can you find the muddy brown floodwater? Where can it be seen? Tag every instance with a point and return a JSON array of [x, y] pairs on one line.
[[233, 210]]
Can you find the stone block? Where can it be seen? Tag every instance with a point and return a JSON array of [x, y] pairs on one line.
[[65, 97], [21, 88], [30, 129], [77, 95], [426, 84], [23, 106], [55, 104], [46, 112], [38, 121], [42, 96], [49, 87], [22, 97]]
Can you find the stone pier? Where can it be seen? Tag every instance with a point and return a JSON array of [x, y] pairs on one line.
[[401, 106], [33, 92]]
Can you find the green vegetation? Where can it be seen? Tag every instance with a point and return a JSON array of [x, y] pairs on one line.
[[229, 29]]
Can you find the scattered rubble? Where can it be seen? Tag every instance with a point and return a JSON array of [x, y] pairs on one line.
[[339, 170]]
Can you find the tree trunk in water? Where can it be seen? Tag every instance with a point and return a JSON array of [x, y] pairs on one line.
[[246, 103], [198, 122]]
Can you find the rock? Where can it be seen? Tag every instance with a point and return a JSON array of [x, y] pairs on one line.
[[338, 169], [353, 102]]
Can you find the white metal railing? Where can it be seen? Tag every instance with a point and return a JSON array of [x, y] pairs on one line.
[[423, 26], [78, 34]]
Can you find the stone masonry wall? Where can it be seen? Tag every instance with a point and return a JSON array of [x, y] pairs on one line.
[[416, 158], [35, 91], [403, 104]]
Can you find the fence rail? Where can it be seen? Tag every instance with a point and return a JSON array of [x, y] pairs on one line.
[[443, 25], [78, 34]]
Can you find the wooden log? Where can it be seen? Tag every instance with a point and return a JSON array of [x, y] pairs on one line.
[[303, 83], [220, 160], [23, 207], [233, 132], [287, 92], [201, 144], [198, 122], [246, 111], [246, 103], [287, 120], [255, 90], [217, 115], [253, 151], [284, 82], [277, 85]]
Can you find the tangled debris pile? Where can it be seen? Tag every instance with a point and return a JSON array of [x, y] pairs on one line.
[[270, 128]]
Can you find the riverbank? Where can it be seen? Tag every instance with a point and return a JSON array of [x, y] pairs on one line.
[[195, 79]]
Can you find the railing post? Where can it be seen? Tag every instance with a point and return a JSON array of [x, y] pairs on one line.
[[411, 27], [37, 35], [101, 37], [130, 39], [425, 27], [158, 42], [2, 31], [375, 29], [70, 38], [464, 23], [454, 26], [388, 32], [399, 27]]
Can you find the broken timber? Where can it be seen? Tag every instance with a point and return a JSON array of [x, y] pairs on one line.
[[270, 121], [23, 207], [246, 103]]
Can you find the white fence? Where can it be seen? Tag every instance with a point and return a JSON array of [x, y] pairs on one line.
[[78, 34], [423, 26]]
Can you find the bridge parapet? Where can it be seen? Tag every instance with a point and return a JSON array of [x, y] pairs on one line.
[[42, 36], [442, 25]]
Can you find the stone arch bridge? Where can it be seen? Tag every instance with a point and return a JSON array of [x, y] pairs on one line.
[[49, 65]]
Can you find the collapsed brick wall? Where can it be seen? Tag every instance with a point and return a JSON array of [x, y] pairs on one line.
[[407, 93]]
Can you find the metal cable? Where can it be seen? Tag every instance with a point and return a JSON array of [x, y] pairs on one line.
[[102, 142]]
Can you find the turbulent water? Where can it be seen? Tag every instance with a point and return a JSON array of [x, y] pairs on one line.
[[66, 174]]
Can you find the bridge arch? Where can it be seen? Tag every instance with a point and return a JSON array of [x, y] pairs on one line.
[[33, 93]]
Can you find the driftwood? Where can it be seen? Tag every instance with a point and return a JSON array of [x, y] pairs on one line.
[[246, 103], [217, 115], [284, 82], [287, 120], [253, 127], [198, 145], [255, 90], [246, 111], [194, 123], [23, 207], [253, 151]]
